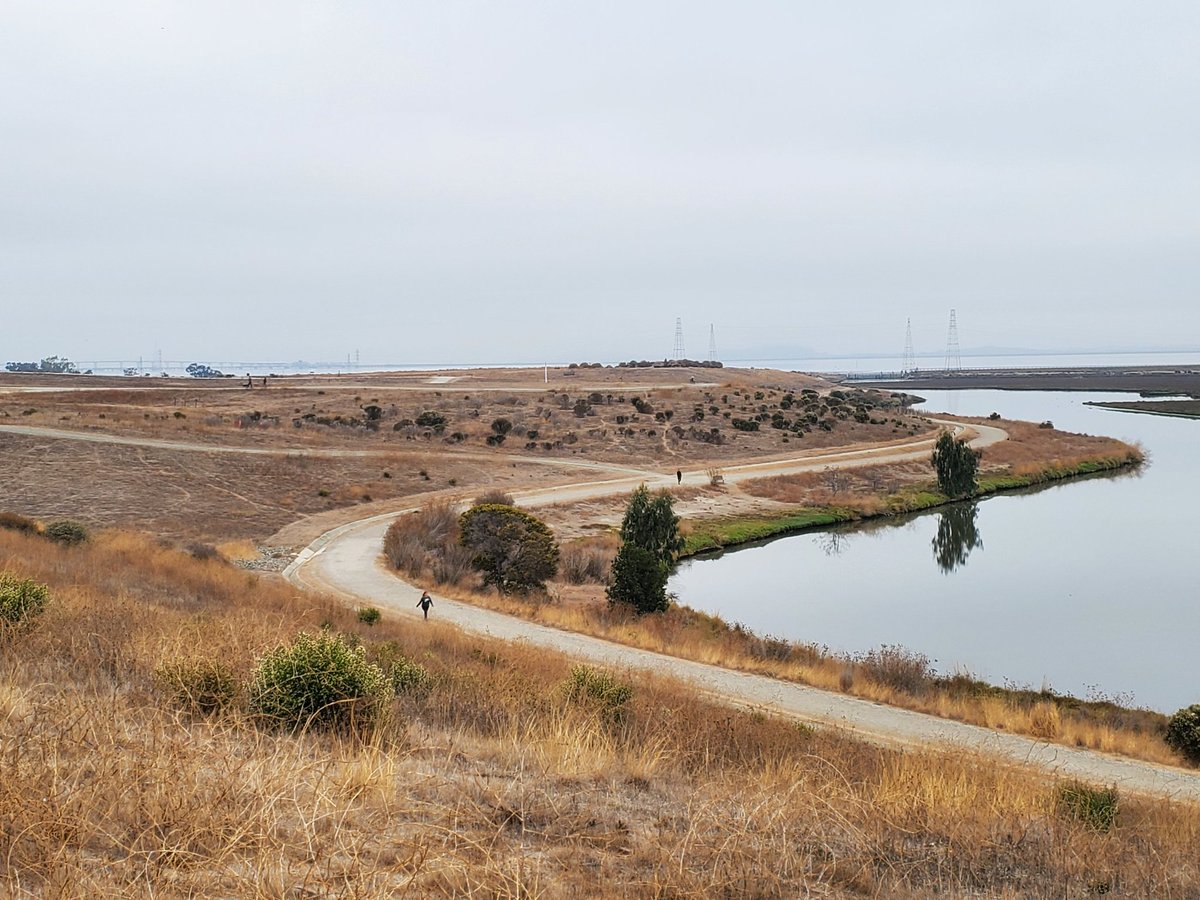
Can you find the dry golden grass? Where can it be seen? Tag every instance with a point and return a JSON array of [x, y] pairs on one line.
[[859, 489], [692, 635], [1031, 449], [492, 785]]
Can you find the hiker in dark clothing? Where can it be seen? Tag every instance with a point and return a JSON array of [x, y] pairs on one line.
[[679, 476], [425, 602]]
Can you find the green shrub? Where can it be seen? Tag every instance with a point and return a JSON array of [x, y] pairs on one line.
[[1095, 807], [1183, 732], [407, 677], [431, 419], [66, 531], [369, 615], [201, 685], [319, 681], [16, 522], [21, 599], [410, 678], [599, 690], [515, 551]]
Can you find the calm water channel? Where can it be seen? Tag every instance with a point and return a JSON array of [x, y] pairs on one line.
[[1088, 587]]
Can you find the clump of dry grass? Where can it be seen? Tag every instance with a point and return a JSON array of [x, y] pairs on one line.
[[860, 489], [427, 541], [587, 560], [489, 781]]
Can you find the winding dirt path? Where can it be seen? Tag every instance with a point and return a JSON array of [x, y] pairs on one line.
[[347, 561]]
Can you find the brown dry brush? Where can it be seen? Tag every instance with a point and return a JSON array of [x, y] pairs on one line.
[[427, 541], [493, 782], [587, 560]]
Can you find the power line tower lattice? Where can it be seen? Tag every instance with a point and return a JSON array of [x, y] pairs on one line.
[[678, 353], [712, 343], [909, 363], [953, 356]]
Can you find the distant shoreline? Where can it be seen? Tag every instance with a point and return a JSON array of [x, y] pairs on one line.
[[1175, 380], [1179, 409]]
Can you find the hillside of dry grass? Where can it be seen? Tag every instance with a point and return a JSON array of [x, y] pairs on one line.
[[492, 783]]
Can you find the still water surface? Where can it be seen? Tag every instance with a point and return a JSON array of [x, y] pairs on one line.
[[1088, 587]]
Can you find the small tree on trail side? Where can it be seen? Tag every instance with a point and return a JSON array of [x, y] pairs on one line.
[[650, 544], [650, 523], [515, 551], [956, 465], [639, 578]]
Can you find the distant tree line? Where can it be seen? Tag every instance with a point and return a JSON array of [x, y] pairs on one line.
[[654, 364], [200, 370], [672, 364], [57, 365]]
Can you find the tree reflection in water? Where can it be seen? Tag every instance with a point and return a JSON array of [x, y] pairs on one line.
[[957, 536], [832, 542]]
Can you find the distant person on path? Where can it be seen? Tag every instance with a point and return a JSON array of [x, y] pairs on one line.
[[249, 381], [679, 476], [425, 602]]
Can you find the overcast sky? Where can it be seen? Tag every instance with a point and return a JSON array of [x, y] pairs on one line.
[[485, 182]]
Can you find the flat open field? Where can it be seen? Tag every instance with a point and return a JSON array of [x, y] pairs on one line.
[[1151, 379], [213, 460]]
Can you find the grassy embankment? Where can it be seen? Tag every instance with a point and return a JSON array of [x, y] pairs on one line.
[[488, 781], [715, 534]]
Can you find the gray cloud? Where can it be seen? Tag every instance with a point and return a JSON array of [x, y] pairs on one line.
[[482, 182]]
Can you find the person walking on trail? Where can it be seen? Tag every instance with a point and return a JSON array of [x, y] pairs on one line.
[[425, 602], [679, 476]]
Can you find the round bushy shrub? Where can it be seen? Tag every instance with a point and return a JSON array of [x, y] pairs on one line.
[[1183, 732], [65, 531], [601, 690], [515, 551], [21, 599], [319, 681], [410, 678]]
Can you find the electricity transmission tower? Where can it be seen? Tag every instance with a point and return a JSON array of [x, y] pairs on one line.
[[712, 343], [953, 356], [909, 364], [678, 353]]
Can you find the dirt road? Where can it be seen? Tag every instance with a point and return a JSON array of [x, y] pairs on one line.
[[805, 462]]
